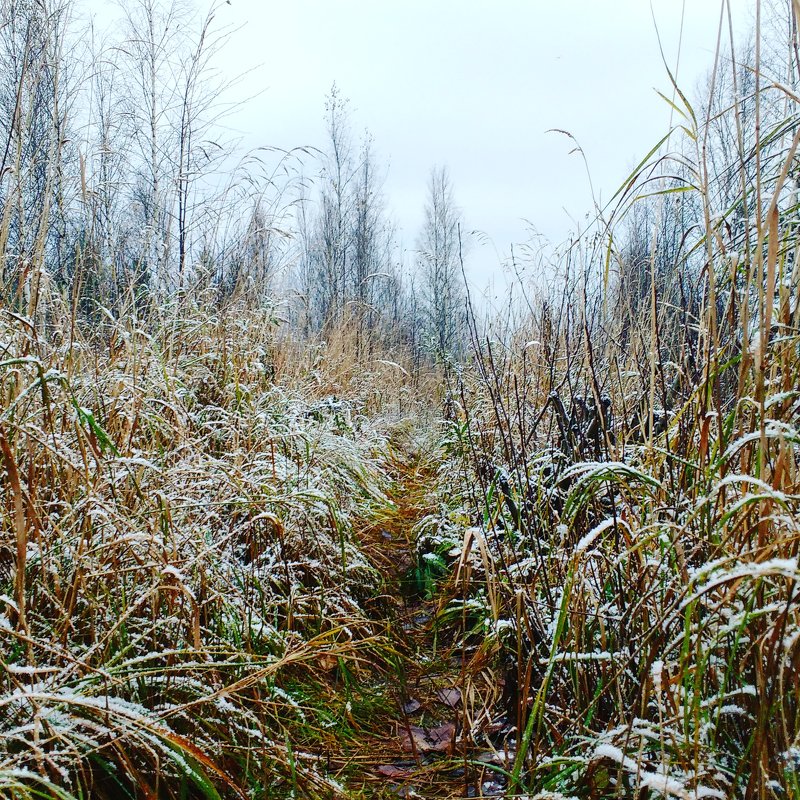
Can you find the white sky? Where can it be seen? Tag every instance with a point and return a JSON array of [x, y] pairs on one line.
[[475, 85]]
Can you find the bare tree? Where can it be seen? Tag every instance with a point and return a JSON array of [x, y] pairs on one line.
[[442, 287], [171, 111], [335, 213], [198, 152], [347, 274], [154, 38], [34, 105]]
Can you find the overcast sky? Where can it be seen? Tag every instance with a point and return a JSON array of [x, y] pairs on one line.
[[475, 85]]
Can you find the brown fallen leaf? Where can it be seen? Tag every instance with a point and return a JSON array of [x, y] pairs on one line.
[[391, 771], [433, 740], [413, 738], [450, 697], [411, 706], [327, 662], [441, 738]]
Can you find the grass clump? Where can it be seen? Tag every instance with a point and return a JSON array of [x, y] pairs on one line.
[[179, 549], [239, 556], [636, 464]]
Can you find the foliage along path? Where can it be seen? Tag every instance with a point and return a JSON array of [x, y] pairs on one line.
[[401, 729]]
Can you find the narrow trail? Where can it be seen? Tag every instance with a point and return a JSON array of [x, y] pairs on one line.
[[416, 742]]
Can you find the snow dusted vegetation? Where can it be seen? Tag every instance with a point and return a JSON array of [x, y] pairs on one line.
[[286, 517]]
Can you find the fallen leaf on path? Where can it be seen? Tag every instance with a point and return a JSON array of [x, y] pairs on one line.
[[413, 738], [450, 697], [327, 662], [391, 771], [433, 740], [441, 738], [411, 706]]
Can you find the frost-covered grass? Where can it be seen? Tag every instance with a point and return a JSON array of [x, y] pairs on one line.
[[652, 623], [634, 472], [199, 517], [178, 549]]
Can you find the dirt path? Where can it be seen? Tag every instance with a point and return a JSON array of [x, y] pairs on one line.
[[418, 741]]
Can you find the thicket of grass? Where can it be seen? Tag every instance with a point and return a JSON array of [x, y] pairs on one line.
[[194, 495], [177, 547], [634, 442]]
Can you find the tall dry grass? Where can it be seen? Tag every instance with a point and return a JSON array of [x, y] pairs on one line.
[[177, 551], [636, 458]]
